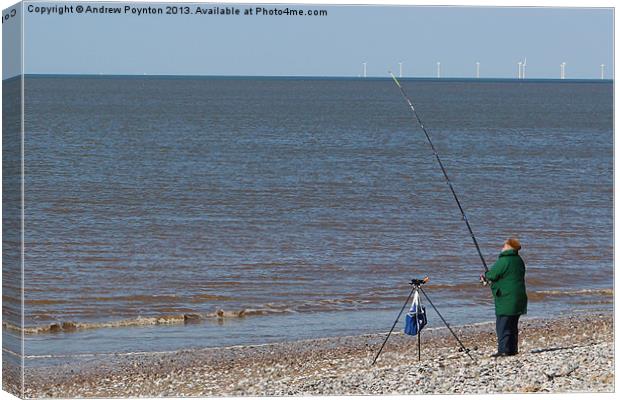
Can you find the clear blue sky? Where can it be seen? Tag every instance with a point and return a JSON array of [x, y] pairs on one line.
[[335, 45]]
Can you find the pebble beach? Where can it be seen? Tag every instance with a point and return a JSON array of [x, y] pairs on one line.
[[567, 354]]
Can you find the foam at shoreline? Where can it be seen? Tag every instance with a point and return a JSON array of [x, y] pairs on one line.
[[221, 314]]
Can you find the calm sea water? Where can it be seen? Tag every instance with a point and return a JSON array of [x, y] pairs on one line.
[[307, 203]]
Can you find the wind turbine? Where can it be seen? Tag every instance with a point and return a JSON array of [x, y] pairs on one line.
[[563, 70], [364, 69], [524, 64], [400, 69], [477, 69], [519, 69], [602, 71], [438, 69]]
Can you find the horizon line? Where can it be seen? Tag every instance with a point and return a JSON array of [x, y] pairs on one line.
[[292, 77]]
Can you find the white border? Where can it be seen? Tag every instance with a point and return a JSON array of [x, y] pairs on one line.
[[484, 3]]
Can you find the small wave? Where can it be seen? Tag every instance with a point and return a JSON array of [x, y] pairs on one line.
[[544, 294], [201, 298], [463, 286], [70, 326], [140, 298], [188, 316], [45, 302], [538, 281]]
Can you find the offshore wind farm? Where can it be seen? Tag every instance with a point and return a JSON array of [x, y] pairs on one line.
[[416, 71]]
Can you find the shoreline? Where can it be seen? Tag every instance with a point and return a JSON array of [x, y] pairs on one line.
[[565, 354], [601, 295]]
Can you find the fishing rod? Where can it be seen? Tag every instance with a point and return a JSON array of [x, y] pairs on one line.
[[443, 169]]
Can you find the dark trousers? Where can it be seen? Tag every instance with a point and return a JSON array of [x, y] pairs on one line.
[[507, 327]]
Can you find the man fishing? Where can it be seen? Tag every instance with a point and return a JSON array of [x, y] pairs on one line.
[[507, 277]]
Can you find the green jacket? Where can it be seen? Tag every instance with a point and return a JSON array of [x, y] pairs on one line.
[[507, 278]]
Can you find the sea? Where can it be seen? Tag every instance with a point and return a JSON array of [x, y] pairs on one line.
[[165, 213]]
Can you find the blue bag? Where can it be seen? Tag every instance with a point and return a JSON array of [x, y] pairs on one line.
[[416, 317]]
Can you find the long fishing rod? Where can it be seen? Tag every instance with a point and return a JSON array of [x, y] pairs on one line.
[[443, 169]]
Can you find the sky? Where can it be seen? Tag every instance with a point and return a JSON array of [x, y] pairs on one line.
[[332, 45]]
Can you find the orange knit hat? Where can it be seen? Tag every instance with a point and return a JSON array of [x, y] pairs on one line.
[[514, 243]]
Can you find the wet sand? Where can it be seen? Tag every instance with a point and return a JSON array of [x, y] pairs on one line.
[[568, 354]]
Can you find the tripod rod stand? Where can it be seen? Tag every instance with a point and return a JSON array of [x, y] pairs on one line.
[[417, 285]]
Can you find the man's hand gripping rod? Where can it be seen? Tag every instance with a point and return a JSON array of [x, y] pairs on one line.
[[445, 174]]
